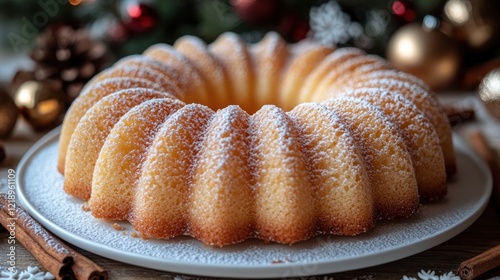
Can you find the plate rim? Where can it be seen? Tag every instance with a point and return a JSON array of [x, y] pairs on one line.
[[297, 269]]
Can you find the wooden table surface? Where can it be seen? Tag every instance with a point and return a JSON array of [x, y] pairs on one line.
[[480, 236]]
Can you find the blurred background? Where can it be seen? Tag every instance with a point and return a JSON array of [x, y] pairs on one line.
[[50, 48]]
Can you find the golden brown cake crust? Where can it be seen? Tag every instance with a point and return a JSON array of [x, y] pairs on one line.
[[230, 141], [82, 157]]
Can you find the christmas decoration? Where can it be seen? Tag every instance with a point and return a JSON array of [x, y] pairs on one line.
[[40, 104], [425, 53], [8, 115], [256, 11], [473, 23], [138, 16], [66, 58], [31, 272], [128, 27], [430, 274], [331, 26], [110, 29], [353, 23], [489, 92], [404, 10], [292, 27]]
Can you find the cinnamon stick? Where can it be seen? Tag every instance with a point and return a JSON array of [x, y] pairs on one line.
[[58, 269], [478, 265], [49, 243], [81, 267], [479, 143], [459, 114], [87, 269]]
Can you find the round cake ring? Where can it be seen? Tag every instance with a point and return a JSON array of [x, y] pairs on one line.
[[39, 187], [294, 135]]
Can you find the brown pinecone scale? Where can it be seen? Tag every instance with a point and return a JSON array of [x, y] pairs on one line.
[[67, 58]]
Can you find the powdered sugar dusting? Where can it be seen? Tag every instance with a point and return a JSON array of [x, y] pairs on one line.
[[209, 68], [91, 132], [422, 98], [312, 110], [220, 194], [275, 134], [329, 63], [145, 67], [340, 177], [119, 83], [182, 71], [387, 74], [272, 135], [232, 52], [165, 178], [224, 130], [346, 69], [91, 95], [42, 186], [118, 166], [38, 230], [419, 135], [269, 55], [389, 163]]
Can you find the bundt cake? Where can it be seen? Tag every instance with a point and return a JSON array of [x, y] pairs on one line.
[[276, 141]]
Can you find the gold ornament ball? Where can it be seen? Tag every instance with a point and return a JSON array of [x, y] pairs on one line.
[[489, 92], [427, 54], [474, 23], [40, 104], [8, 115]]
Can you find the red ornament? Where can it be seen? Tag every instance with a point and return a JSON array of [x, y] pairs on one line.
[[404, 10], [292, 27], [138, 16], [300, 30], [256, 11]]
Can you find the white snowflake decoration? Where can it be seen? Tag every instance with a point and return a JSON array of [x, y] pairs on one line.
[[376, 22], [31, 273], [449, 276], [431, 275], [427, 275], [331, 26], [7, 274]]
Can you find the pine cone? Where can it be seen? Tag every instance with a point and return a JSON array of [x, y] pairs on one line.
[[68, 58]]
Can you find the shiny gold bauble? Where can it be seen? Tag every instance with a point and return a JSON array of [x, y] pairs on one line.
[[489, 92], [473, 23], [8, 115], [427, 54], [40, 104]]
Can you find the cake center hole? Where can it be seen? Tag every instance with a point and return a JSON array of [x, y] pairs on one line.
[[249, 101]]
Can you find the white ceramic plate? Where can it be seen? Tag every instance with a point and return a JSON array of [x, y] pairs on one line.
[[40, 192]]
